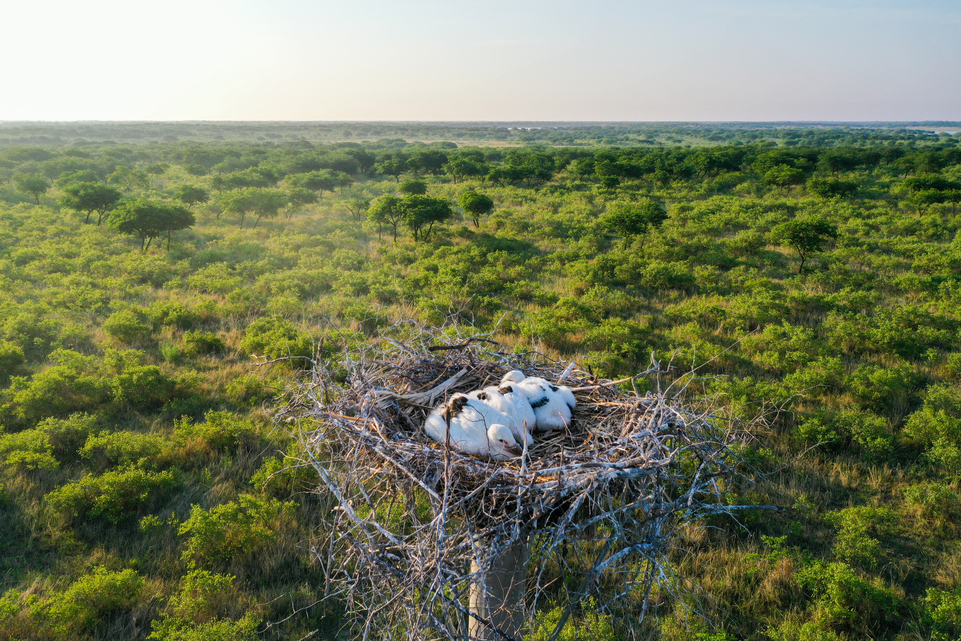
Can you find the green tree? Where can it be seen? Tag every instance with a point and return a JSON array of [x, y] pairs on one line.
[[267, 203], [391, 165], [264, 202], [806, 235], [298, 197], [413, 187], [320, 181], [832, 187], [631, 219], [420, 213], [460, 168], [150, 219], [783, 176], [191, 195], [33, 184], [428, 161], [129, 178], [386, 210], [358, 207], [476, 205], [90, 197]]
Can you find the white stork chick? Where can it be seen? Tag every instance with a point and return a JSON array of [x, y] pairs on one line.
[[496, 399], [553, 404], [475, 428], [523, 412]]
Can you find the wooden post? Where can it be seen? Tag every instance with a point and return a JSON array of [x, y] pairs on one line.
[[502, 603]]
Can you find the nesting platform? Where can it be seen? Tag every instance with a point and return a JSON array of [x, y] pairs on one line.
[[413, 515]]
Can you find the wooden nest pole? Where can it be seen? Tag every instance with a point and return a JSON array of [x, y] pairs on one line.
[[427, 542]]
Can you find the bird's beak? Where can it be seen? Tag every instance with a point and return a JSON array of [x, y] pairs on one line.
[[516, 451]]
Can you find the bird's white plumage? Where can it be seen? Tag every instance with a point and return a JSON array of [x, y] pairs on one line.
[[475, 428], [493, 397], [523, 412], [553, 405]]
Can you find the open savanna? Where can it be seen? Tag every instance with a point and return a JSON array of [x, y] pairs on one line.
[[809, 276]]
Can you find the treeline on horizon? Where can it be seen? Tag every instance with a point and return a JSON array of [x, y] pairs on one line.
[[811, 275], [511, 133]]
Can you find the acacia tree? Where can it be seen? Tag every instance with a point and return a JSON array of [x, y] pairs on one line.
[[386, 210], [806, 235], [298, 197], [149, 219], [264, 202], [33, 184], [191, 195], [320, 181], [630, 220], [460, 168], [129, 178], [237, 201], [413, 187], [358, 207], [391, 165], [476, 205], [421, 212], [90, 197]]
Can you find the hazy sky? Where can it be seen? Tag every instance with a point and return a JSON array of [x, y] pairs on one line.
[[481, 60]]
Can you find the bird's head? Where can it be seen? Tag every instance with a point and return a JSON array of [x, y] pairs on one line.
[[502, 442]]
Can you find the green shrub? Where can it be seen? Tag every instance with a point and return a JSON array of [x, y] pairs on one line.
[[587, 624], [72, 384], [92, 598], [201, 343], [127, 326], [50, 443], [206, 608], [143, 387], [867, 429], [885, 390], [278, 338], [114, 496], [112, 449], [937, 425], [856, 528], [220, 430], [233, 531], [172, 314], [67, 435], [11, 360], [29, 450], [942, 611], [849, 601]]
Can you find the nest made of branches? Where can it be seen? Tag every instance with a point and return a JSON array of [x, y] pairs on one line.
[[413, 514], [376, 423]]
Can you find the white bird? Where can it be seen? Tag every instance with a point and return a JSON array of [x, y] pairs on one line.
[[475, 428], [553, 404], [494, 398], [523, 412]]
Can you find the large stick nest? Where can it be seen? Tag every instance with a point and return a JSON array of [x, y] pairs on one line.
[[413, 514]]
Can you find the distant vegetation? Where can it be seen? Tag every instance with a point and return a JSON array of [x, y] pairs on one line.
[[811, 273]]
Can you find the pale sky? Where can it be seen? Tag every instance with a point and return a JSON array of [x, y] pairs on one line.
[[491, 60]]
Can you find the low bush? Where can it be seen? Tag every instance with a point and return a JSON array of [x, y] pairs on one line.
[[232, 532], [143, 387], [113, 449], [128, 326], [114, 496], [208, 607], [201, 343]]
